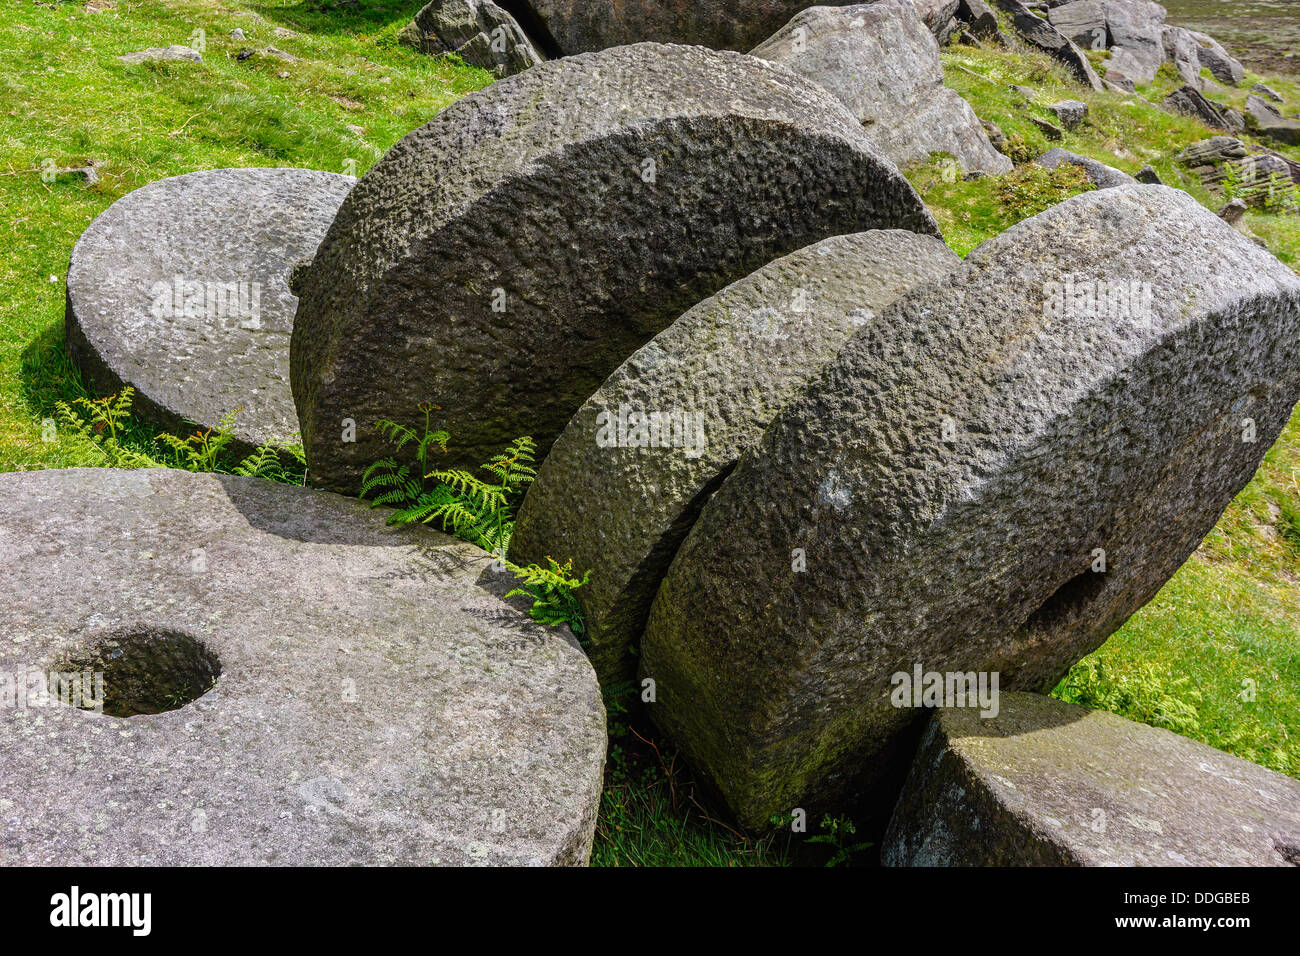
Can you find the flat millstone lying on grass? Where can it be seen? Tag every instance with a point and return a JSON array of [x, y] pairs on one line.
[[375, 701], [951, 476], [501, 261], [180, 290], [1046, 783], [719, 374]]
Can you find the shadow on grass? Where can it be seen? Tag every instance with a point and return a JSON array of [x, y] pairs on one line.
[[340, 16]]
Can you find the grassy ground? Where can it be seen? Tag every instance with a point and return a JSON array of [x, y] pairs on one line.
[[1215, 656]]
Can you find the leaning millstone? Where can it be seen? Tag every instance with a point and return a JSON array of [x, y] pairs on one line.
[[285, 680], [991, 477], [503, 260], [1271, 123], [883, 64], [1044, 783], [478, 31], [1101, 175], [617, 499], [1044, 36], [160, 54], [180, 290], [1190, 102]]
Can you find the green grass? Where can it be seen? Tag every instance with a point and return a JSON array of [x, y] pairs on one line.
[[1228, 622]]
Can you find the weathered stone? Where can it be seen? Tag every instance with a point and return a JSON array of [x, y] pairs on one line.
[[994, 132], [1147, 174], [180, 290], [882, 63], [1049, 129], [1101, 175], [1190, 102], [175, 52], [1070, 112], [1040, 33], [1046, 783], [1083, 21], [1181, 50], [1255, 171], [504, 259], [1267, 92], [623, 511], [1137, 28], [307, 685], [983, 21], [1224, 67], [1271, 123], [478, 31], [950, 477]]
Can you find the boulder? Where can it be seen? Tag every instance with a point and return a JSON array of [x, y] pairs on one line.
[[1147, 174], [180, 290], [982, 21], [1271, 123], [1254, 170], [1070, 112], [988, 480], [1181, 49], [504, 259], [1224, 67], [1267, 92], [379, 704], [478, 31], [1041, 34], [1083, 21], [1046, 783], [623, 510], [1101, 175], [176, 53], [1137, 28], [882, 63], [1190, 102]]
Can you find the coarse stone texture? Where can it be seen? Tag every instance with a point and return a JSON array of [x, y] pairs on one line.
[[156, 54], [1050, 40], [623, 511], [376, 701], [503, 260], [1083, 21], [478, 31], [1181, 49], [1101, 175], [1190, 102], [1045, 783], [1271, 123], [1268, 92], [180, 290], [950, 477], [883, 64], [1070, 112], [1223, 66]]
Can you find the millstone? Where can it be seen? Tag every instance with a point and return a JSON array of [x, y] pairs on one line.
[[180, 289], [375, 701], [883, 64], [1045, 783], [990, 478], [501, 261], [622, 510]]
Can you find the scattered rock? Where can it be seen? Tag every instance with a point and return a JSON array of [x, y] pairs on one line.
[[1101, 175], [1050, 129], [1271, 123], [1070, 112], [1083, 21], [883, 64], [238, 34], [179, 289], [1224, 68], [380, 705], [541, 230], [1040, 33], [280, 55], [1045, 783], [158, 54], [997, 138], [1028, 92], [623, 510], [1234, 214], [1147, 174], [1119, 84], [1190, 102], [950, 476], [983, 22], [284, 32], [478, 31], [1254, 170], [1182, 50], [1267, 92]]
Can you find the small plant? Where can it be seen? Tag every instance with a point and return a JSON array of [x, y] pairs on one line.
[[103, 424], [202, 450], [1140, 693], [1029, 189], [839, 834], [474, 509]]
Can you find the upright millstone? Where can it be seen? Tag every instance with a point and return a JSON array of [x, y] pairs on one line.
[[180, 290], [225, 671], [988, 480], [501, 261], [628, 476]]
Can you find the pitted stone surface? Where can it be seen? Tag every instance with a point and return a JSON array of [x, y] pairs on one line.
[[883, 64], [502, 261], [180, 290], [1050, 784], [377, 702], [723, 369], [952, 474]]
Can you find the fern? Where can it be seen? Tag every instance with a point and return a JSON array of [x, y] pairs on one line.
[[102, 425], [552, 592]]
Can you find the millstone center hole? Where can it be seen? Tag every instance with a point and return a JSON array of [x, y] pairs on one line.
[[1068, 600], [140, 671]]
